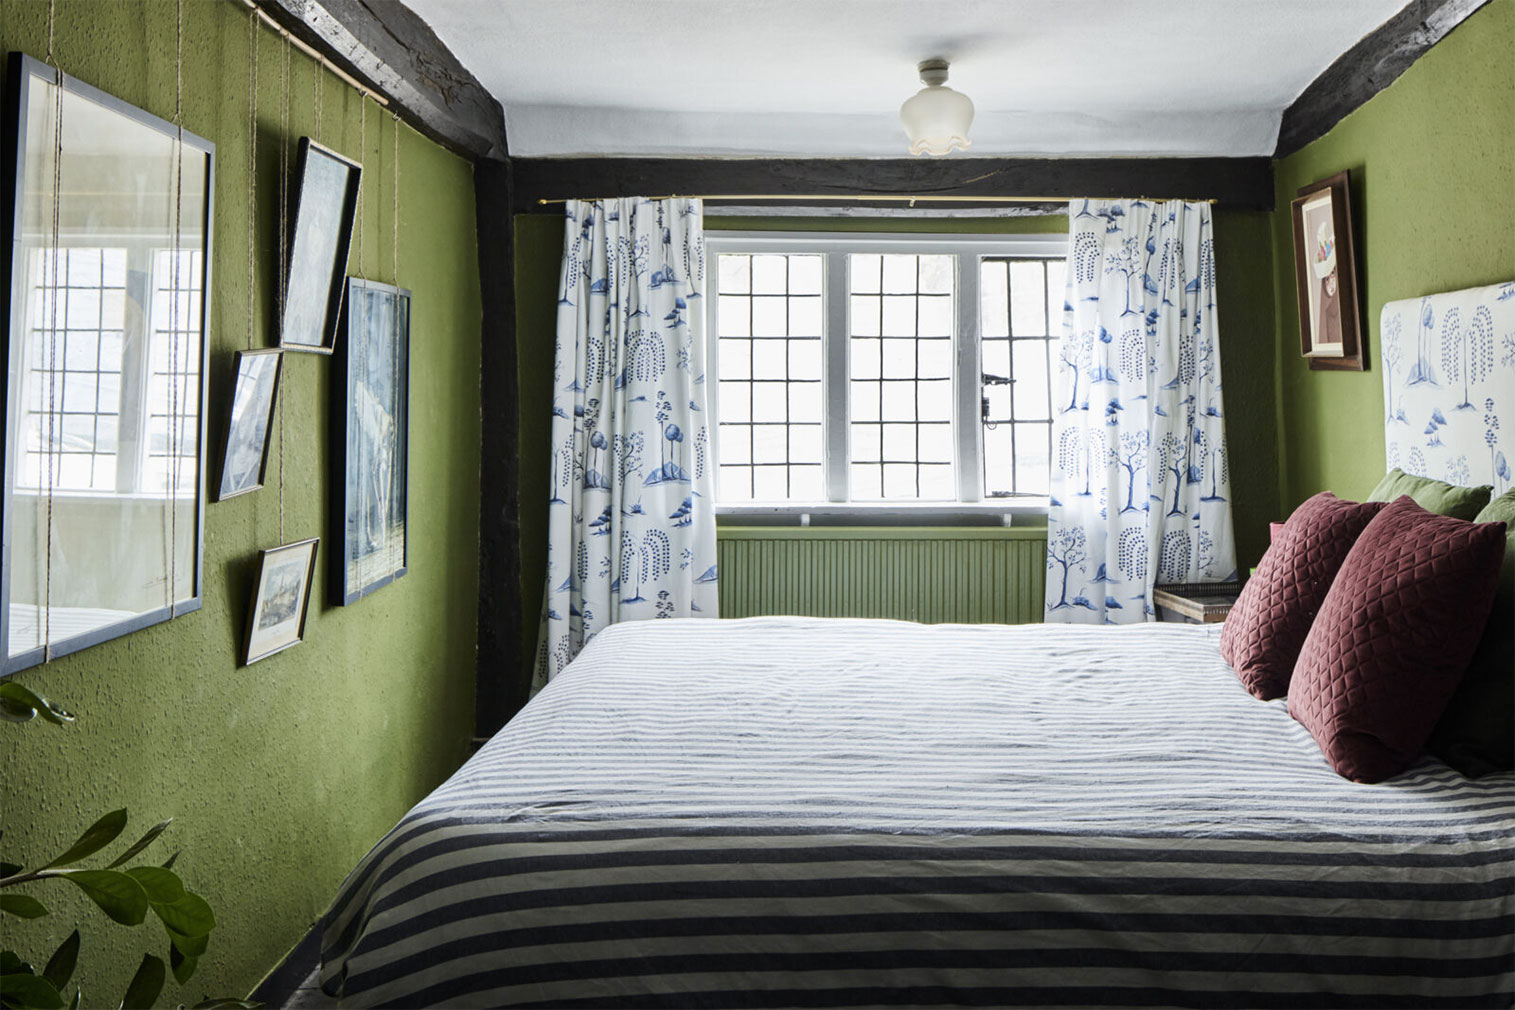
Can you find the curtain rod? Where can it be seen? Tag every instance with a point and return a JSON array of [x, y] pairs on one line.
[[312, 53], [890, 197]]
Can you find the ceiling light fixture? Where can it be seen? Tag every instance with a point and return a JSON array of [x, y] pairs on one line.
[[937, 118]]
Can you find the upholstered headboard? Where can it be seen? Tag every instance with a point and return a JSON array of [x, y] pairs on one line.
[[1448, 364]]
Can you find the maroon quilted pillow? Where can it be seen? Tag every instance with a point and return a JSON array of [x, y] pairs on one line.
[[1394, 636], [1268, 624]]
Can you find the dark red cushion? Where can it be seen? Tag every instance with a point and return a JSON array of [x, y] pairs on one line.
[[1394, 636], [1268, 624]]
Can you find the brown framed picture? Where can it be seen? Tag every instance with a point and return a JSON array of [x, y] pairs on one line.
[[281, 596], [1325, 271]]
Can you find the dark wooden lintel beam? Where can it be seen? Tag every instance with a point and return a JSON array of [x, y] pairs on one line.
[[1245, 183], [383, 43], [1371, 65]]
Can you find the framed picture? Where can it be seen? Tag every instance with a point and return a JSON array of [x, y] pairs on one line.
[[109, 223], [370, 424], [1325, 267], [281, 595], [326, 198], [252, 419]]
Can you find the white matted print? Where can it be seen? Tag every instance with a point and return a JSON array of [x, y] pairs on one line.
[[281, 594], [1323, 289], [1449, 385]]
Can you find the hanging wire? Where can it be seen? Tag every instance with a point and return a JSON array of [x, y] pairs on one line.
[[252, 169], [283, 253], [394, 230], [390, 543], [53, 457], [362, 153], [176, 406], [316, 79]]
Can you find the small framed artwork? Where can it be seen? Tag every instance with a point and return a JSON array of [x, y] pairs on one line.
[[326, 199], [1330, 334], [252, 419], [281, 596], [371, 428]]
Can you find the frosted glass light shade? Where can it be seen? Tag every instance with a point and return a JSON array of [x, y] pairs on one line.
[[937, 118]]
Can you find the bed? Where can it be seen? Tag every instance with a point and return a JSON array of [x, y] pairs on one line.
[[806, 812]]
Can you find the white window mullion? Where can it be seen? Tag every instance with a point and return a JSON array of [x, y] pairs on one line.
[[837, 387], [967, 385]]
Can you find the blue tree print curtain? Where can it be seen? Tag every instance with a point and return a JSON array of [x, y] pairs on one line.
[[1140, 480], [631, 530]]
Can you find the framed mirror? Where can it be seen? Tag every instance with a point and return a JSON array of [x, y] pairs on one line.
[[104, 400]]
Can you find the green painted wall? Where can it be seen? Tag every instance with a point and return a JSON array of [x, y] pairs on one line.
[[1245, 281], [283, 774], [1432, 159]]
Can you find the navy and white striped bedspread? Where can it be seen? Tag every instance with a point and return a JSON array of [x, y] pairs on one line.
[[799, 812]]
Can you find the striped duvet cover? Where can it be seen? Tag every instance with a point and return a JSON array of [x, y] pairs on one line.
[[799, 812]]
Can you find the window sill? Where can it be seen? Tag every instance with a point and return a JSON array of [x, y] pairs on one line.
[[1022, 511]]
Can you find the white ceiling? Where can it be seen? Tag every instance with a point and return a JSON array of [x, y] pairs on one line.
[[825, 78]]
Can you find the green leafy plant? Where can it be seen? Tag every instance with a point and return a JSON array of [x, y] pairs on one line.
[[126, 894]]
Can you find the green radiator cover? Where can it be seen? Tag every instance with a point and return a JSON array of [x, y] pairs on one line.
[[932, 574]]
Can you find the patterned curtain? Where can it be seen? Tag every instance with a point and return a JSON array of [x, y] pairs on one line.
[[1140, 482], [631, 529]]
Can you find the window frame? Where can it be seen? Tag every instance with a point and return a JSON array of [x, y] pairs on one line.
[[135, 406], [834, 247]]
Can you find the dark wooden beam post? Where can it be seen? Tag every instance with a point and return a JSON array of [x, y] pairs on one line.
[[1244, 183], [502, 685], [383, 43], [1371, 65]]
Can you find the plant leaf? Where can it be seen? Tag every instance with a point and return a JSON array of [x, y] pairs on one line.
[[60, 967], [22, 906], [163, 887], [145, 986], [140, 844], [227, 1003], [189, 946], [78, 999], [168, 864], [15, 699], [14, 711], [118, 895], [189, 916], [183, 967], [31, 991], [98, 836], [10, 961], [10, 869]]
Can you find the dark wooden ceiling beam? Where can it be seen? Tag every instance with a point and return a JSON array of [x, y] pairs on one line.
[[383, 43], [1371, 65], [1245, 183]]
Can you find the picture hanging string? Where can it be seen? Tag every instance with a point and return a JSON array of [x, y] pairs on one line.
[[176, 404], [317, 111], [284, 171], [393, 542], [362, 153], [394, 227], [54, 289], [252, 169]]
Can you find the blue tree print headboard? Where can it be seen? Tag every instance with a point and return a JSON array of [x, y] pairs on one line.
[[1448, 364]]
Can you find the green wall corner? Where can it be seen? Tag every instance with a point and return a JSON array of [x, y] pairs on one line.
[[1432, 159], [280, 776]]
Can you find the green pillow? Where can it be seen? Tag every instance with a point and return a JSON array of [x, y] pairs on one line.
[[1476, 734], [1433, 495]]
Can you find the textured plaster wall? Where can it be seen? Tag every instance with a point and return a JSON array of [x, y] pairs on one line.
[[283, 774], [1432, 159], [1243, 263]]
